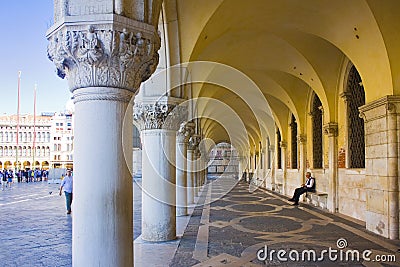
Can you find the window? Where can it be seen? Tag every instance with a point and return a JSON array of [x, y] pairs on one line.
[[293, 126], [356, 135], [279, 140], [316, 114], [136, 138]]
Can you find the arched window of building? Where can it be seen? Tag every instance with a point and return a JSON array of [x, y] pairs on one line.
[[6, 134], [316, 114], [1, 151], [47, 151], [136, 138], [356, 134], [279, 151], [1, 137], [55, 147], [267, 150], [48, 137], [29, 151], [59, 147], [293, 126], [29, 137]]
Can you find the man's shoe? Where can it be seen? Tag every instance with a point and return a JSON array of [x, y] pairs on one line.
[[69, 212], [291, 199], [295, 204]]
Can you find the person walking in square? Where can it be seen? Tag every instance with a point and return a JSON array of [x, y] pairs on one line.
[[67, 187]]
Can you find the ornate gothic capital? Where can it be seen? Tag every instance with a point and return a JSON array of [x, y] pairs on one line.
[[106, 54], [302, 139], [346, 96], [331, 129], [194, 142], [283, 144], [186, 130], [159, 115]]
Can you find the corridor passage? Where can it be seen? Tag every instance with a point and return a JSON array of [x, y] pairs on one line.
[[231, 230]]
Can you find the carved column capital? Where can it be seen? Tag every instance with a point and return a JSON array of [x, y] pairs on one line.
[[186, 130], [194, 142], [346, 96], [161, 114], [331, 129], [283, 144], [302, 139], [104, 55]]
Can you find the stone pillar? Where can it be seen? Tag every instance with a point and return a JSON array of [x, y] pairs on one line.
[[272, 169], [284, 167], [190, 173], [382, 122], [346, 96], [159, 120], [182, 140], [196, 171], [302, 141], [331, 129], [104, 69]]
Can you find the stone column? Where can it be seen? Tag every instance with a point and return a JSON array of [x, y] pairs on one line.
[[382, 122], [104, 69], [346, 96], [331, 129], [159, 119], [302, 141], [272, 170], [284, 167], [196, 170], [190, 172], [184, 133]]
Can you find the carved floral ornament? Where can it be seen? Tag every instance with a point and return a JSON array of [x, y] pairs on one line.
[[194, 142], [186, 130], [331, 129], [101, 57], [159, 116]]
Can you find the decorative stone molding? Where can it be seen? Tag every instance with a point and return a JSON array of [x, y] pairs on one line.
[[346, 96], [283, 144], [302, 139], [103, 55], [157, 115], [101, 94], [186, 130], [194, 141], [331, 129], [380, 108]]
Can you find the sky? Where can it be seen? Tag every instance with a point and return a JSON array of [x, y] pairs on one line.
[[23, 47]]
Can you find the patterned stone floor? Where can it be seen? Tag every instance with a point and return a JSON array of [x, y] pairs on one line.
[[233, 229], [229, 227]]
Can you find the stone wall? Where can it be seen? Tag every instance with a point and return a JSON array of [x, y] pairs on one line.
[[351, 193]]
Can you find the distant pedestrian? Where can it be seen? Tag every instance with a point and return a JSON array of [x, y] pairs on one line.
[[67, 185], [10, 178], [3, 180]]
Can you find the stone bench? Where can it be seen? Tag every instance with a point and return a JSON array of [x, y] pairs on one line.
[[318, 199], [278, 188]]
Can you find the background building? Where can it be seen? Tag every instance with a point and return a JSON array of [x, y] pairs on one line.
[[51, 146]]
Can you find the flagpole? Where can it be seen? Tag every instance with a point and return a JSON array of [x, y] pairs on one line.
[[34, 127], [18, 111]]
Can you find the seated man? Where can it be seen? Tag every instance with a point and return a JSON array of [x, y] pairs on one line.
[[309, 186]]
